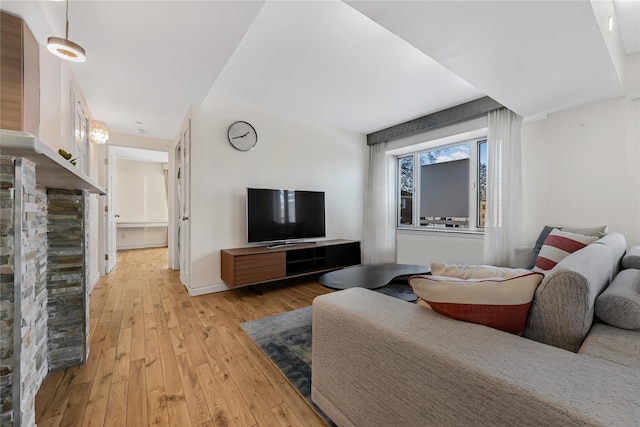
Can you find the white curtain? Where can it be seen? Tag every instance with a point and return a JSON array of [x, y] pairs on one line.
[[504, 187], [379, 243]]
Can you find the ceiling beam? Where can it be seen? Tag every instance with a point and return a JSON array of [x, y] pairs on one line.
[[459, 113]]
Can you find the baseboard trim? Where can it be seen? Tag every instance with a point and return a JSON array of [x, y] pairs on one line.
[[93, 282], [125, 247], [203, 290]]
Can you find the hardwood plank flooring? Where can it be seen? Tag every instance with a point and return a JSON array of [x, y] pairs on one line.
[[161, 358]]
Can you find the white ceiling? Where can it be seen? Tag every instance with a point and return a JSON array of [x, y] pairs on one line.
[[534, 57], [360, 66], [328, 62]]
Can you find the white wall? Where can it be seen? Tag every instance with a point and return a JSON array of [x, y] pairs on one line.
[[425, 247], [580, 168], [56, 79], [290, 153], [141, 197]]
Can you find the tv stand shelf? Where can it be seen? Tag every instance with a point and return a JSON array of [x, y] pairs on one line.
[[256, 265]]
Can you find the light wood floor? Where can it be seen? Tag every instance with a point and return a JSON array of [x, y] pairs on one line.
[[160, 357]]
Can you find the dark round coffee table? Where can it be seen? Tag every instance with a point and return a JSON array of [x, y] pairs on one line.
[[379, 277]]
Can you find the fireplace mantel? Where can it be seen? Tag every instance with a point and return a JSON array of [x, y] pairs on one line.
[[52, 170]]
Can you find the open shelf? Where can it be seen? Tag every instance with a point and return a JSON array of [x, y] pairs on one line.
[[52, 171]]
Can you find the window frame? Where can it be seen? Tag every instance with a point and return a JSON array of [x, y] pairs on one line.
[[474, 193]]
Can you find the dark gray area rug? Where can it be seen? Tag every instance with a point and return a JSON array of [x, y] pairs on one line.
[[286, 340]]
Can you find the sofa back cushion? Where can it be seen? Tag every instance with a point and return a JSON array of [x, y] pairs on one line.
[[619, 304], [618, 245], [562, 309], [632, 258]]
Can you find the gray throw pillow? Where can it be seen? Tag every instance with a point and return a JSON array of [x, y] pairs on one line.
[[598, 232], [619, 304], [632, 258], [536, 249]]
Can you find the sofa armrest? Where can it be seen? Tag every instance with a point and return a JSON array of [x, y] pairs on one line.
[[380, 361], [562, 309]]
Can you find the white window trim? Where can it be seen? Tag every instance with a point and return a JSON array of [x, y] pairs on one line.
[[477, 233]]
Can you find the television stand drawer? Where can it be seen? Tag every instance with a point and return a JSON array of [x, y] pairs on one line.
[[259, 275], [259, 260]]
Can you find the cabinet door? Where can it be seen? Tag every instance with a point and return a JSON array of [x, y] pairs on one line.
[[19, 76], [10, 72], [31, 82]]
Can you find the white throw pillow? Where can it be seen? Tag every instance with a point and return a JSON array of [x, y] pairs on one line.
[[464, 271], [500, 303]]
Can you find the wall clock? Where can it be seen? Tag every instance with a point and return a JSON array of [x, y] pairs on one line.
[[242, 136]]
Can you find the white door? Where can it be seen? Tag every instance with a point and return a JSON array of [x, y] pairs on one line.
[[184, 186], [111, 215]]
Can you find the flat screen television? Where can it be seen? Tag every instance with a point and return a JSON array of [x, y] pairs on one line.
[[284, 215]]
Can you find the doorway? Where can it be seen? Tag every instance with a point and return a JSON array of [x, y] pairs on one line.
[[135, 213], [182, 187]]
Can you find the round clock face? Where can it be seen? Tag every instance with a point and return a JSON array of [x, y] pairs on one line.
[[242, 136]]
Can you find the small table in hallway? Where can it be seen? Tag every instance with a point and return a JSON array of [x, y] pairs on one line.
[[379, 277]]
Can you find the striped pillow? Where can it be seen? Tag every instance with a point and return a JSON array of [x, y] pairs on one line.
[[557, 246]]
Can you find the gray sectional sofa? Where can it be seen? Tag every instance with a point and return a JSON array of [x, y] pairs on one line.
[[380, 361]]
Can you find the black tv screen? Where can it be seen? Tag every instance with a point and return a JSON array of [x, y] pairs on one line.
[[284, 215]]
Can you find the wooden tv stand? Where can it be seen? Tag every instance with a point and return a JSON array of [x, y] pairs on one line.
[[256, 265]]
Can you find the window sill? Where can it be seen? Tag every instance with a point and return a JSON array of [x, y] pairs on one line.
[[471, 233]]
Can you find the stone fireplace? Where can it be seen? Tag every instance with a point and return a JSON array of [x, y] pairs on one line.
[[44, 261]]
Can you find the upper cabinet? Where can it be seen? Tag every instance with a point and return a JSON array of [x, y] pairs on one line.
[[19, 76]]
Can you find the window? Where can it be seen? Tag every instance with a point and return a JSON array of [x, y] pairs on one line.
[[444, 188], [482, 181]]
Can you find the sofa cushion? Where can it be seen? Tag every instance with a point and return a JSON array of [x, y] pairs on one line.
[[464, 271], [557, 246], [500, 303], [599, 231], [614, 344], [632, 258], [379, 361], [619, 304]]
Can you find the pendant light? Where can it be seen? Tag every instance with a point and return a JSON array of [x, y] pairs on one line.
[[99, 133], [65, 48]]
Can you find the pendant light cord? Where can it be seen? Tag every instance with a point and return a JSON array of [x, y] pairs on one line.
[[67, 30]]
